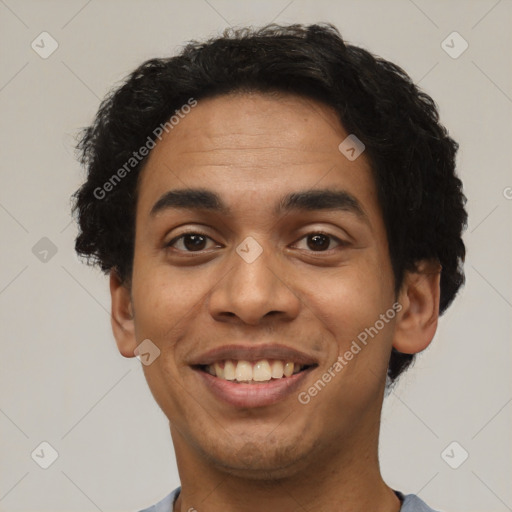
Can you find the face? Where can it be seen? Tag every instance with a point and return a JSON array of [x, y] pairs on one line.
[[276, 267]]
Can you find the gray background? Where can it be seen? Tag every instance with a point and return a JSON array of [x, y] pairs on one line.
[[62, 379]]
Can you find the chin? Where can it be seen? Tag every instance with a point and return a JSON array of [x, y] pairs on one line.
[[270, 458]]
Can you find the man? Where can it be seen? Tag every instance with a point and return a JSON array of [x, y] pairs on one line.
[[281, 220]]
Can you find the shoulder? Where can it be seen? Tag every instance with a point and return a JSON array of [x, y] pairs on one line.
[[411, 503], [164, 505]]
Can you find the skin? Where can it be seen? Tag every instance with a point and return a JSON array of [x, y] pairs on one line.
[[252, 149]]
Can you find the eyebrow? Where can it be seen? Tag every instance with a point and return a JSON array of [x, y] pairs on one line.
[[305, 200]]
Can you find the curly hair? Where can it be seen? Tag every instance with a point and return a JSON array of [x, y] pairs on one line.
[[411, 154]]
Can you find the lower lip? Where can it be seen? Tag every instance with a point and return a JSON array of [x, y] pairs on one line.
[[254, 395]]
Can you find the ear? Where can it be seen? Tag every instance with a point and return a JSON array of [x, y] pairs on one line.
[[122, 316], [419, 296]]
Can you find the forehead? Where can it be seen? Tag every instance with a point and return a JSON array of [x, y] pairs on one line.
[[254, 147]]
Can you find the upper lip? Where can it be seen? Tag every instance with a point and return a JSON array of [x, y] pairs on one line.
[[253, 353]]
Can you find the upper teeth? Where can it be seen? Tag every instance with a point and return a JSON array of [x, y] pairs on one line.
[[259, 371]]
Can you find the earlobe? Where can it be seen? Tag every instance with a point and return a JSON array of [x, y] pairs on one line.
[[419, 296], [122, 316]]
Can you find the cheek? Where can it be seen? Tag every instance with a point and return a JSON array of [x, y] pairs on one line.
[[348, 305], [168, 300], [351, 298], [162, 301]]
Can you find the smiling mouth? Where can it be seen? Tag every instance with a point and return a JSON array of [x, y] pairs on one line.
[[254, 372]]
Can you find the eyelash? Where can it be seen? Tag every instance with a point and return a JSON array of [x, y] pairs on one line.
[[341, 243]]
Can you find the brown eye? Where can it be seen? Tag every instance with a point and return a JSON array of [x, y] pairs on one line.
[[194, 242], [189, 242], [318, 242], [321, 242]]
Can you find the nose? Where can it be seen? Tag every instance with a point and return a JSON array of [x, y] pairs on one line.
[[253, 291]]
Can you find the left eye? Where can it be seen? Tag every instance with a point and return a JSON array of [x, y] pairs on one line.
[[319, 242]]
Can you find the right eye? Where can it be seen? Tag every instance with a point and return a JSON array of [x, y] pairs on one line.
[[189, 242]]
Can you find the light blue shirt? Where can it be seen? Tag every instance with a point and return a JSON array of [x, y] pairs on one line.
[[410, 503]]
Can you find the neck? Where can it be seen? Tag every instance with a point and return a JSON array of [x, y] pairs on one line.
[[346, 479]]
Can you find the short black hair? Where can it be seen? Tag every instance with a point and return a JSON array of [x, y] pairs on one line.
[[411, 154]]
